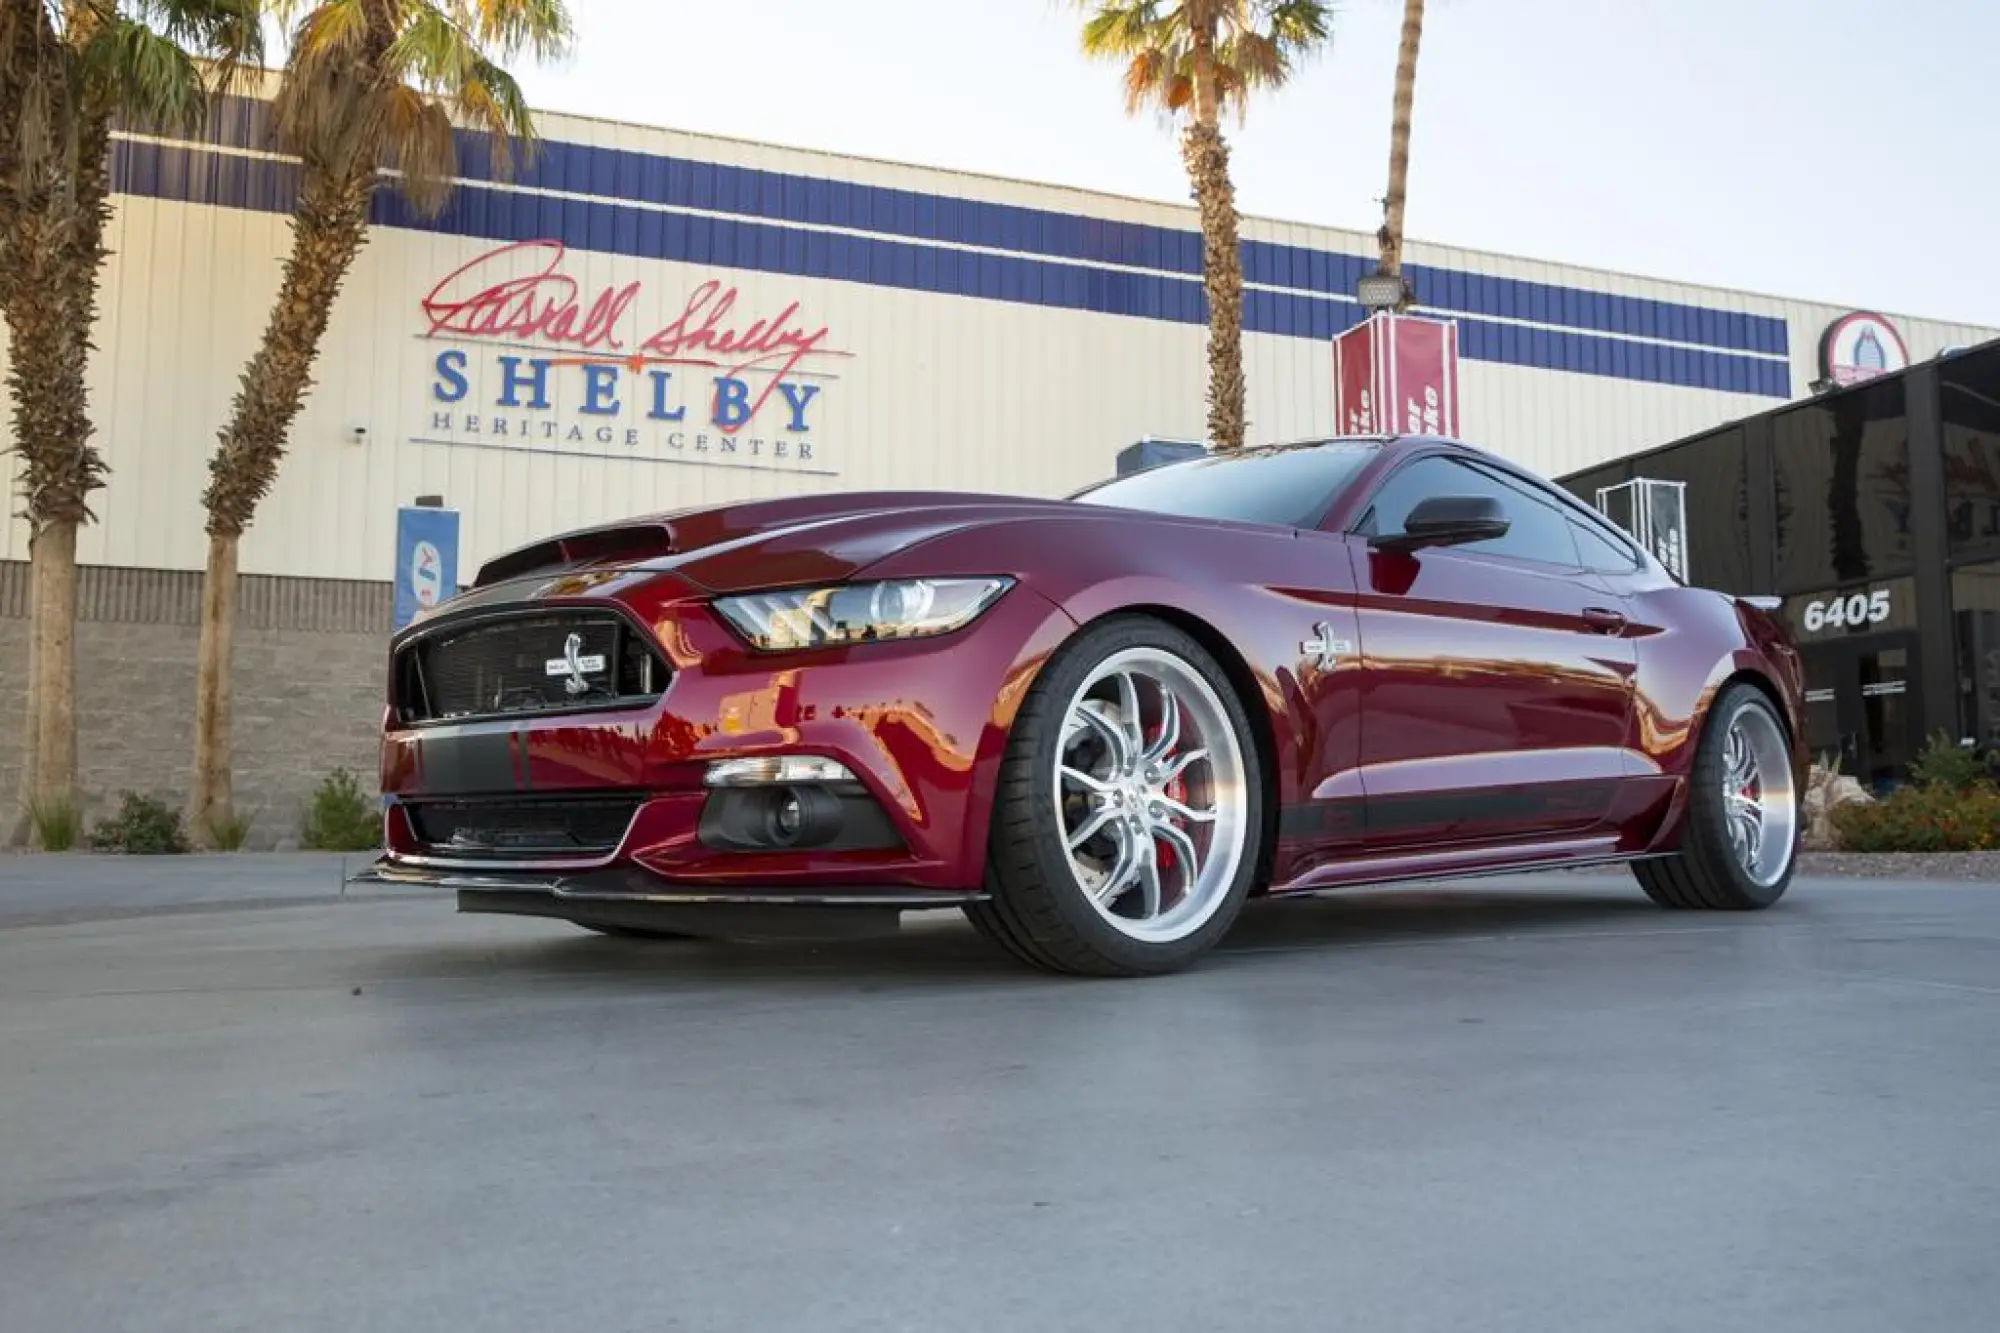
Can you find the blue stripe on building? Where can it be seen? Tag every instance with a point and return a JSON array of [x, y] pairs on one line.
[[194, 175], [624, 175]]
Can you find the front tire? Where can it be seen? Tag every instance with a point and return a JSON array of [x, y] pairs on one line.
[[1130, 808], [1740, 844]]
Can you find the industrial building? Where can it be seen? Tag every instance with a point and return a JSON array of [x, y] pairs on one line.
[[1873, 509]]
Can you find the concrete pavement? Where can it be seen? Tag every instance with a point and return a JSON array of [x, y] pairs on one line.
[[1514, 1105]]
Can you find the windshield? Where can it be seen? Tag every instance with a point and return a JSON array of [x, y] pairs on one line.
[[1288, 487]]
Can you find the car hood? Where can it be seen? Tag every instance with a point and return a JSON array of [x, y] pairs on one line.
[[771, 543]]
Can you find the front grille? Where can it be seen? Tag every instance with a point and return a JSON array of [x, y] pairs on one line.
[[549, 826], [546, 662]]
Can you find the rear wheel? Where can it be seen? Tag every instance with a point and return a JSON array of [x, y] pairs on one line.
[[1129, 811], [1742, 827]]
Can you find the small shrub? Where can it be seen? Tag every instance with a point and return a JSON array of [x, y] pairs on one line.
[[340, 818], [1946, 765], [229, 835], [58, 823], [142, 827], [1923, 819]]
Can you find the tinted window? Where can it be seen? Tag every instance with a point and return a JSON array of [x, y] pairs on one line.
[[1975, 601], [1284, 487], [1535, 532], [1601, 551], [1969, 410], [1843, 483]]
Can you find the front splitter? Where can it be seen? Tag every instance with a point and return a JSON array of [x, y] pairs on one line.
[[633, 900]]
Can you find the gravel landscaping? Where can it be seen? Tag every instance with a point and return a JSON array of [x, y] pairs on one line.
[[1962, 866]]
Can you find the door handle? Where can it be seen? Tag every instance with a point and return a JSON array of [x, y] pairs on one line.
[[1604, 618]]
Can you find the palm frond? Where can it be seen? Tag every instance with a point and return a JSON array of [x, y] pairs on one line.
[[1252, 44], [147, 74], [508, 27], [431, 52], [492, 102], [228, 33], [1120, 27], [419, 141]]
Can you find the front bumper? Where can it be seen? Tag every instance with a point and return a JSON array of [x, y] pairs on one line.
[[635, 900], [920, 726]]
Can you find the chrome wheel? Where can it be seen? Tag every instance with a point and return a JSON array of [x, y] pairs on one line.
[[1150, 792], [1759, 799]]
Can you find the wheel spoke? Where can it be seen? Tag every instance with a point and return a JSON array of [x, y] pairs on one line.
[[1129, 720], [1746, 828], [1181, 765], [1738, 760], [1119, 878], [1083, 779], [1177, 810], [1149, 882], [1089, 828], [1753, 840], [1112, 736], [1184, 852], [1170, 731]]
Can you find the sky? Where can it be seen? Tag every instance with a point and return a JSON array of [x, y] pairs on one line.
[[1826, 150]]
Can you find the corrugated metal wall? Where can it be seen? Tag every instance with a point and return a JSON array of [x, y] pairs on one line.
[[994, 335]]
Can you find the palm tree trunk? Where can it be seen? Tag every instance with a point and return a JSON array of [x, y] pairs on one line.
[[1391, 235], [1206, 156], [214, 798], [52, 631], [54, 249], [329, 226]]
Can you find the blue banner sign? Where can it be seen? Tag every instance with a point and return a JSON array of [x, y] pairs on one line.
[[426, 560]]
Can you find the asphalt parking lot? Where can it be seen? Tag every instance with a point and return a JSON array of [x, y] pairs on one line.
[[1513, 1105]]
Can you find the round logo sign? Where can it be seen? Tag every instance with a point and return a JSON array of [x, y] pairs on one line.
[[426, 574], [1859, 347]]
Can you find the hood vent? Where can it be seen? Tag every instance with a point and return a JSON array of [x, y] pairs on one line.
[[620, 542]]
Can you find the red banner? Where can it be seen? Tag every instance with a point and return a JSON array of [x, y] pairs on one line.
[[1396, 375]]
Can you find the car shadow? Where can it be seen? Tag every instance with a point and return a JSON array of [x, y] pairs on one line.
[[1368, 917], [942, 949]]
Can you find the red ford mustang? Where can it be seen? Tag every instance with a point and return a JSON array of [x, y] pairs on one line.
[[1096, 725]]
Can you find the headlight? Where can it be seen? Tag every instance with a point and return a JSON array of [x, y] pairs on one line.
[[858, 612]]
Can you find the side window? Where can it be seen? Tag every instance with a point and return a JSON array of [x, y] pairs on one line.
[[1536, 531], [1600, 552]]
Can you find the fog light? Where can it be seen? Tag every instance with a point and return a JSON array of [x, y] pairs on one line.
[[790, 816], [778, 769]]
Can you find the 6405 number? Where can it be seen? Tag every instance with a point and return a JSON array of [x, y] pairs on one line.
[[1844, 612]]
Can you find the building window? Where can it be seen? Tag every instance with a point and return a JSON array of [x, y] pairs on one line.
[[1969, 412], [1843, 489], [1975, 604]]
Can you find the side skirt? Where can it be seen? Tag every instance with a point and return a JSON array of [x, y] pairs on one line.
[[1465, 863]]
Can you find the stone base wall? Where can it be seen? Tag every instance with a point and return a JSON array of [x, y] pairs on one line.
[[308, 688]]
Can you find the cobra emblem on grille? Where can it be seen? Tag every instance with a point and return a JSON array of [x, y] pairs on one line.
[[576, 664]]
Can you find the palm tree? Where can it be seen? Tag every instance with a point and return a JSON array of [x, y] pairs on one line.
[[1196, 58], [369, 84], [1391, 235], [67, 69]]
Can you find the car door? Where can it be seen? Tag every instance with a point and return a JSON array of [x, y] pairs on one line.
[[1495, 677]]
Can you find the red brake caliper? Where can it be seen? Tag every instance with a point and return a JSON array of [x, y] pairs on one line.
[[1176, 791]]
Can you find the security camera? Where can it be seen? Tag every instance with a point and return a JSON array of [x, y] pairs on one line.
[[358, 433]]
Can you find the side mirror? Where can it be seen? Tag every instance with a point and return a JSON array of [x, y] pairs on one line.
[[1448, 520]]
